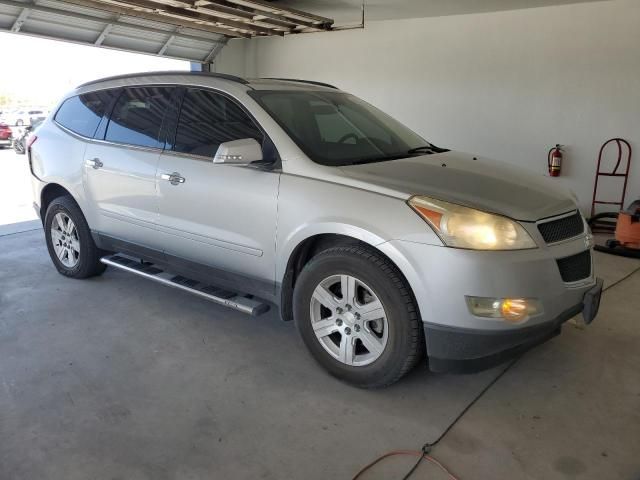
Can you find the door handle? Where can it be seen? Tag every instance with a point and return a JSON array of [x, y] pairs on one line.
[[173, 178], [95, 163]]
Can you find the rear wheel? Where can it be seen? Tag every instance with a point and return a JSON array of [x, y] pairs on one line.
[[69, 241], [357, 316]]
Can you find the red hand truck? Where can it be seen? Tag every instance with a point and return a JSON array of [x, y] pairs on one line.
[[616, 172]]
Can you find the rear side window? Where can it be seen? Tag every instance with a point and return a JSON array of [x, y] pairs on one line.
[[137, 116], [208, 119], [82, 114]]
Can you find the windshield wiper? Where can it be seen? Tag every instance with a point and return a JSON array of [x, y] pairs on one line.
[[425, 149], [422, 149], [377, 159]]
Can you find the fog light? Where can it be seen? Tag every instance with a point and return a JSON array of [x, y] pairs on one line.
[[512, 310]]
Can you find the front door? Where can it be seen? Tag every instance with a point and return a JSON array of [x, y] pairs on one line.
[[218, 219]]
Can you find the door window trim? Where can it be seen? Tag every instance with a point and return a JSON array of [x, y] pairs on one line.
[[277, 163], [104, 121]]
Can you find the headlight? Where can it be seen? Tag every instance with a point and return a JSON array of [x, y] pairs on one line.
[[464, 227]]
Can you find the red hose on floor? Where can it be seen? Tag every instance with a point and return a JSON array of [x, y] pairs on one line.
[[412, 453]]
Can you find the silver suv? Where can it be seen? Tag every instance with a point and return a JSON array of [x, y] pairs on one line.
[[382, 247]]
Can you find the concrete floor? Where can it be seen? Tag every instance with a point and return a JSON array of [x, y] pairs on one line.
[[119, 378], [16, 199]]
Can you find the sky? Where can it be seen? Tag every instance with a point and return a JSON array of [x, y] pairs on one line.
[[39, 71]]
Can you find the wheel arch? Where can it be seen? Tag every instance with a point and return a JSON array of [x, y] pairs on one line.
[[312, 244], [50, 192]]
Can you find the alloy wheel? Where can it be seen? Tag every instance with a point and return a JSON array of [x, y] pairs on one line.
[[349, 320], [64, 237]]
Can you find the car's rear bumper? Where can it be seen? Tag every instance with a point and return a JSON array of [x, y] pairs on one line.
[[463, 350], [36, 188], [6, 141]]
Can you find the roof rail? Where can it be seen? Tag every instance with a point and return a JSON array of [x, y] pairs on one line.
[[223, 76], [311, 82]]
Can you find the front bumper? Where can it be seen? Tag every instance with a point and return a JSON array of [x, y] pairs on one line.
[[441, 278], [461, 350]]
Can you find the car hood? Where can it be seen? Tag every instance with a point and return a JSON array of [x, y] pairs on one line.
[[460, 178]]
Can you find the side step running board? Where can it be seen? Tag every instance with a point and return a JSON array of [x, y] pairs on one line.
[[210, 292]]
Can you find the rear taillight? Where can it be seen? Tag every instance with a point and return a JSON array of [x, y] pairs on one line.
[[31, 140]]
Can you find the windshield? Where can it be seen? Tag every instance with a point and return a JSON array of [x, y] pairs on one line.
[[336, 128]]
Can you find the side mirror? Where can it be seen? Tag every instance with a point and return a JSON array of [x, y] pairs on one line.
[[239, 152]]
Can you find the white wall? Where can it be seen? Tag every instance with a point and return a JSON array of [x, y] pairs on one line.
[[508, 85]]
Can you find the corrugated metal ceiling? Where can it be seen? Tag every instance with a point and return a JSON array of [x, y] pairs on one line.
[[194, 30]]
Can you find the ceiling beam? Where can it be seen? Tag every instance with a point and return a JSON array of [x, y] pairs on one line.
[[213, 53], [235, 13], [17, 25], [239, 11], [231, 18], [288, 12], [160, 7], [222, 9], [169, 42], [275, 19], [114, 21], [89, 43], [103, 34], [107, 7]]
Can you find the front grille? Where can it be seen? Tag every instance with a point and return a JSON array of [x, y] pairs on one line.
[[576, 267], [561, 229]]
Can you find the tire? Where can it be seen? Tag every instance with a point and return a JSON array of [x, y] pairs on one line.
[[82, 257], [399, 334]]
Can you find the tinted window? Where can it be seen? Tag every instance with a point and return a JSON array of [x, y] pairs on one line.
[[208, 119], [82, 114], [137, 116]]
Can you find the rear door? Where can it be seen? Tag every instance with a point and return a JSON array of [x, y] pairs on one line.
[[221, 220], [120, 167]]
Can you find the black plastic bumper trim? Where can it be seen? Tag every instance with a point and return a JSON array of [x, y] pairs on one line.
[[461, 350]]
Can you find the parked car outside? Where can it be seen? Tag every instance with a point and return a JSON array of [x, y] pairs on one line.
[[24, 116], [382, 247], [20, 140], [5, 135]]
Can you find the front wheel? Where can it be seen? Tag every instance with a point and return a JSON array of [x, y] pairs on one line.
[[357, 317], [69, 241]]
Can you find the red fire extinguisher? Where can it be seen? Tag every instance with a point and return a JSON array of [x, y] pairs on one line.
[[554, 160]]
